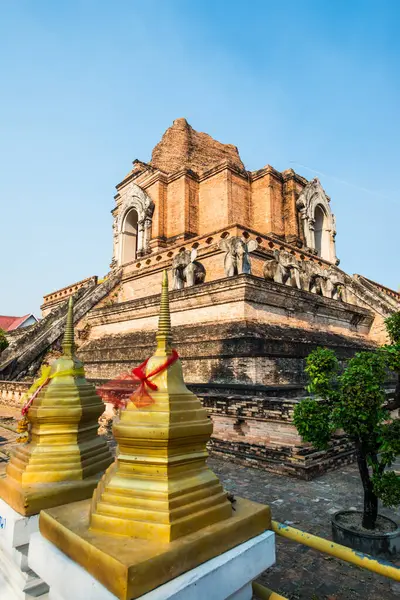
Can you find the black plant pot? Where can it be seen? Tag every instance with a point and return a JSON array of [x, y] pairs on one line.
[[378, 544]]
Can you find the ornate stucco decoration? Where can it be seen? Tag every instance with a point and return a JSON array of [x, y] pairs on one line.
[[186, 270], [319, 225], [133, 197], [282, 267], [237, 258]]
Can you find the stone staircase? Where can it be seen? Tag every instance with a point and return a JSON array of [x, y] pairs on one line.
[[372, 296], [24, 355]]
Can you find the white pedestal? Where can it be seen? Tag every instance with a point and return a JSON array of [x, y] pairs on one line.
[[17, 580], [226, 577]]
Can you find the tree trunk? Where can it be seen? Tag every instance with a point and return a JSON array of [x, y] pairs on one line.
[[370, 499]]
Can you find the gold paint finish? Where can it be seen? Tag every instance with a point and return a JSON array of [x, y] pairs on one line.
[[65, 458], [160, 487], [158, 510], [130, 567]]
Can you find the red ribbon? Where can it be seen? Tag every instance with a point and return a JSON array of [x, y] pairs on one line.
[[120, 390], [27, 406]]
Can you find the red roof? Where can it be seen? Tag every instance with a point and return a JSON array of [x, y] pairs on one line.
[[10, 323]]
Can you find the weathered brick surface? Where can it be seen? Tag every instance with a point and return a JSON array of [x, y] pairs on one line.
[[183, 147], [25, 356], [241, 300], [54, 299], [253, 424], [245, 334], [176, 212], [213, 202], [238, 199], [158, 191], [291, 190], [206, 186], [260, 209], [259, 432]]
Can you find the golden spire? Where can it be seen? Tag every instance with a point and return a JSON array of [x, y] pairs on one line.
[[164, 336], [68, 344]]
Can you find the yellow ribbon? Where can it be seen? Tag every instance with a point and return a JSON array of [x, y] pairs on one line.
[[45, 375]]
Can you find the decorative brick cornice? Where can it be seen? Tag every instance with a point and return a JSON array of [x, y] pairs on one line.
[[153, 178], [223, 166], [290, 174], [268, 170], [134, 174], [183, 173]]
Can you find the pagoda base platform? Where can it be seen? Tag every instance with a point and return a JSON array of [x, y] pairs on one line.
[[31, 500], [17, 580], [243, 342], [131, 567], [225, 577]]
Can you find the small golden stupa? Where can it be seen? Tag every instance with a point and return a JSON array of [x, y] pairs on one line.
[[160, 486], [158, 511], [64, 457]]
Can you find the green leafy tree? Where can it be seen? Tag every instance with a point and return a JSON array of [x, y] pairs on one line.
[[355, 402], [3, 341]]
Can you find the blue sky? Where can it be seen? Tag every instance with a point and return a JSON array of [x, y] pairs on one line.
[[90, 85]]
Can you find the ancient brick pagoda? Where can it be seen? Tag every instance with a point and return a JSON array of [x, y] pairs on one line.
[[256, 285]]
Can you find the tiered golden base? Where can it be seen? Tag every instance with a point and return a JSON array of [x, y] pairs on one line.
[[65, 458], [160, 486], [30, 500], [130, 567]]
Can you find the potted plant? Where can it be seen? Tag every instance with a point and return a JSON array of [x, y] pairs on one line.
[[355, 402]]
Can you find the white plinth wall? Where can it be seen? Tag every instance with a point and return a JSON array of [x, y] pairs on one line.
[[17, 580], [226, 577]]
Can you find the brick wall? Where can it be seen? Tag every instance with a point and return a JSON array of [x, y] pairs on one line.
[[158, 193], [261, 205], [258, 431], [290, 214], [213, 203], [244, 299], [176, 212], [239, 199]]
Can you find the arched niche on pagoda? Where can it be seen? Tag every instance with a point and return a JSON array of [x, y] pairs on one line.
[[318, 221], [132, 225], [129, 236]]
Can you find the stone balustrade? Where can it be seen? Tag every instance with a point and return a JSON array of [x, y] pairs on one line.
[[58, 296], [11, 392], [206, 243]]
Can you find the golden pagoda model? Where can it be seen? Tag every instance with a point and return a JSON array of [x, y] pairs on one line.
[[64, 457], [158, 511], [160, 486]]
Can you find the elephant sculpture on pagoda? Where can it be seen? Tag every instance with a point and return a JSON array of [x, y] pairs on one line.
[[186, 270], [237, 251]]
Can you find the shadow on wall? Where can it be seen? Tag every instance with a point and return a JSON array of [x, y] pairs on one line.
[[251, 354]]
